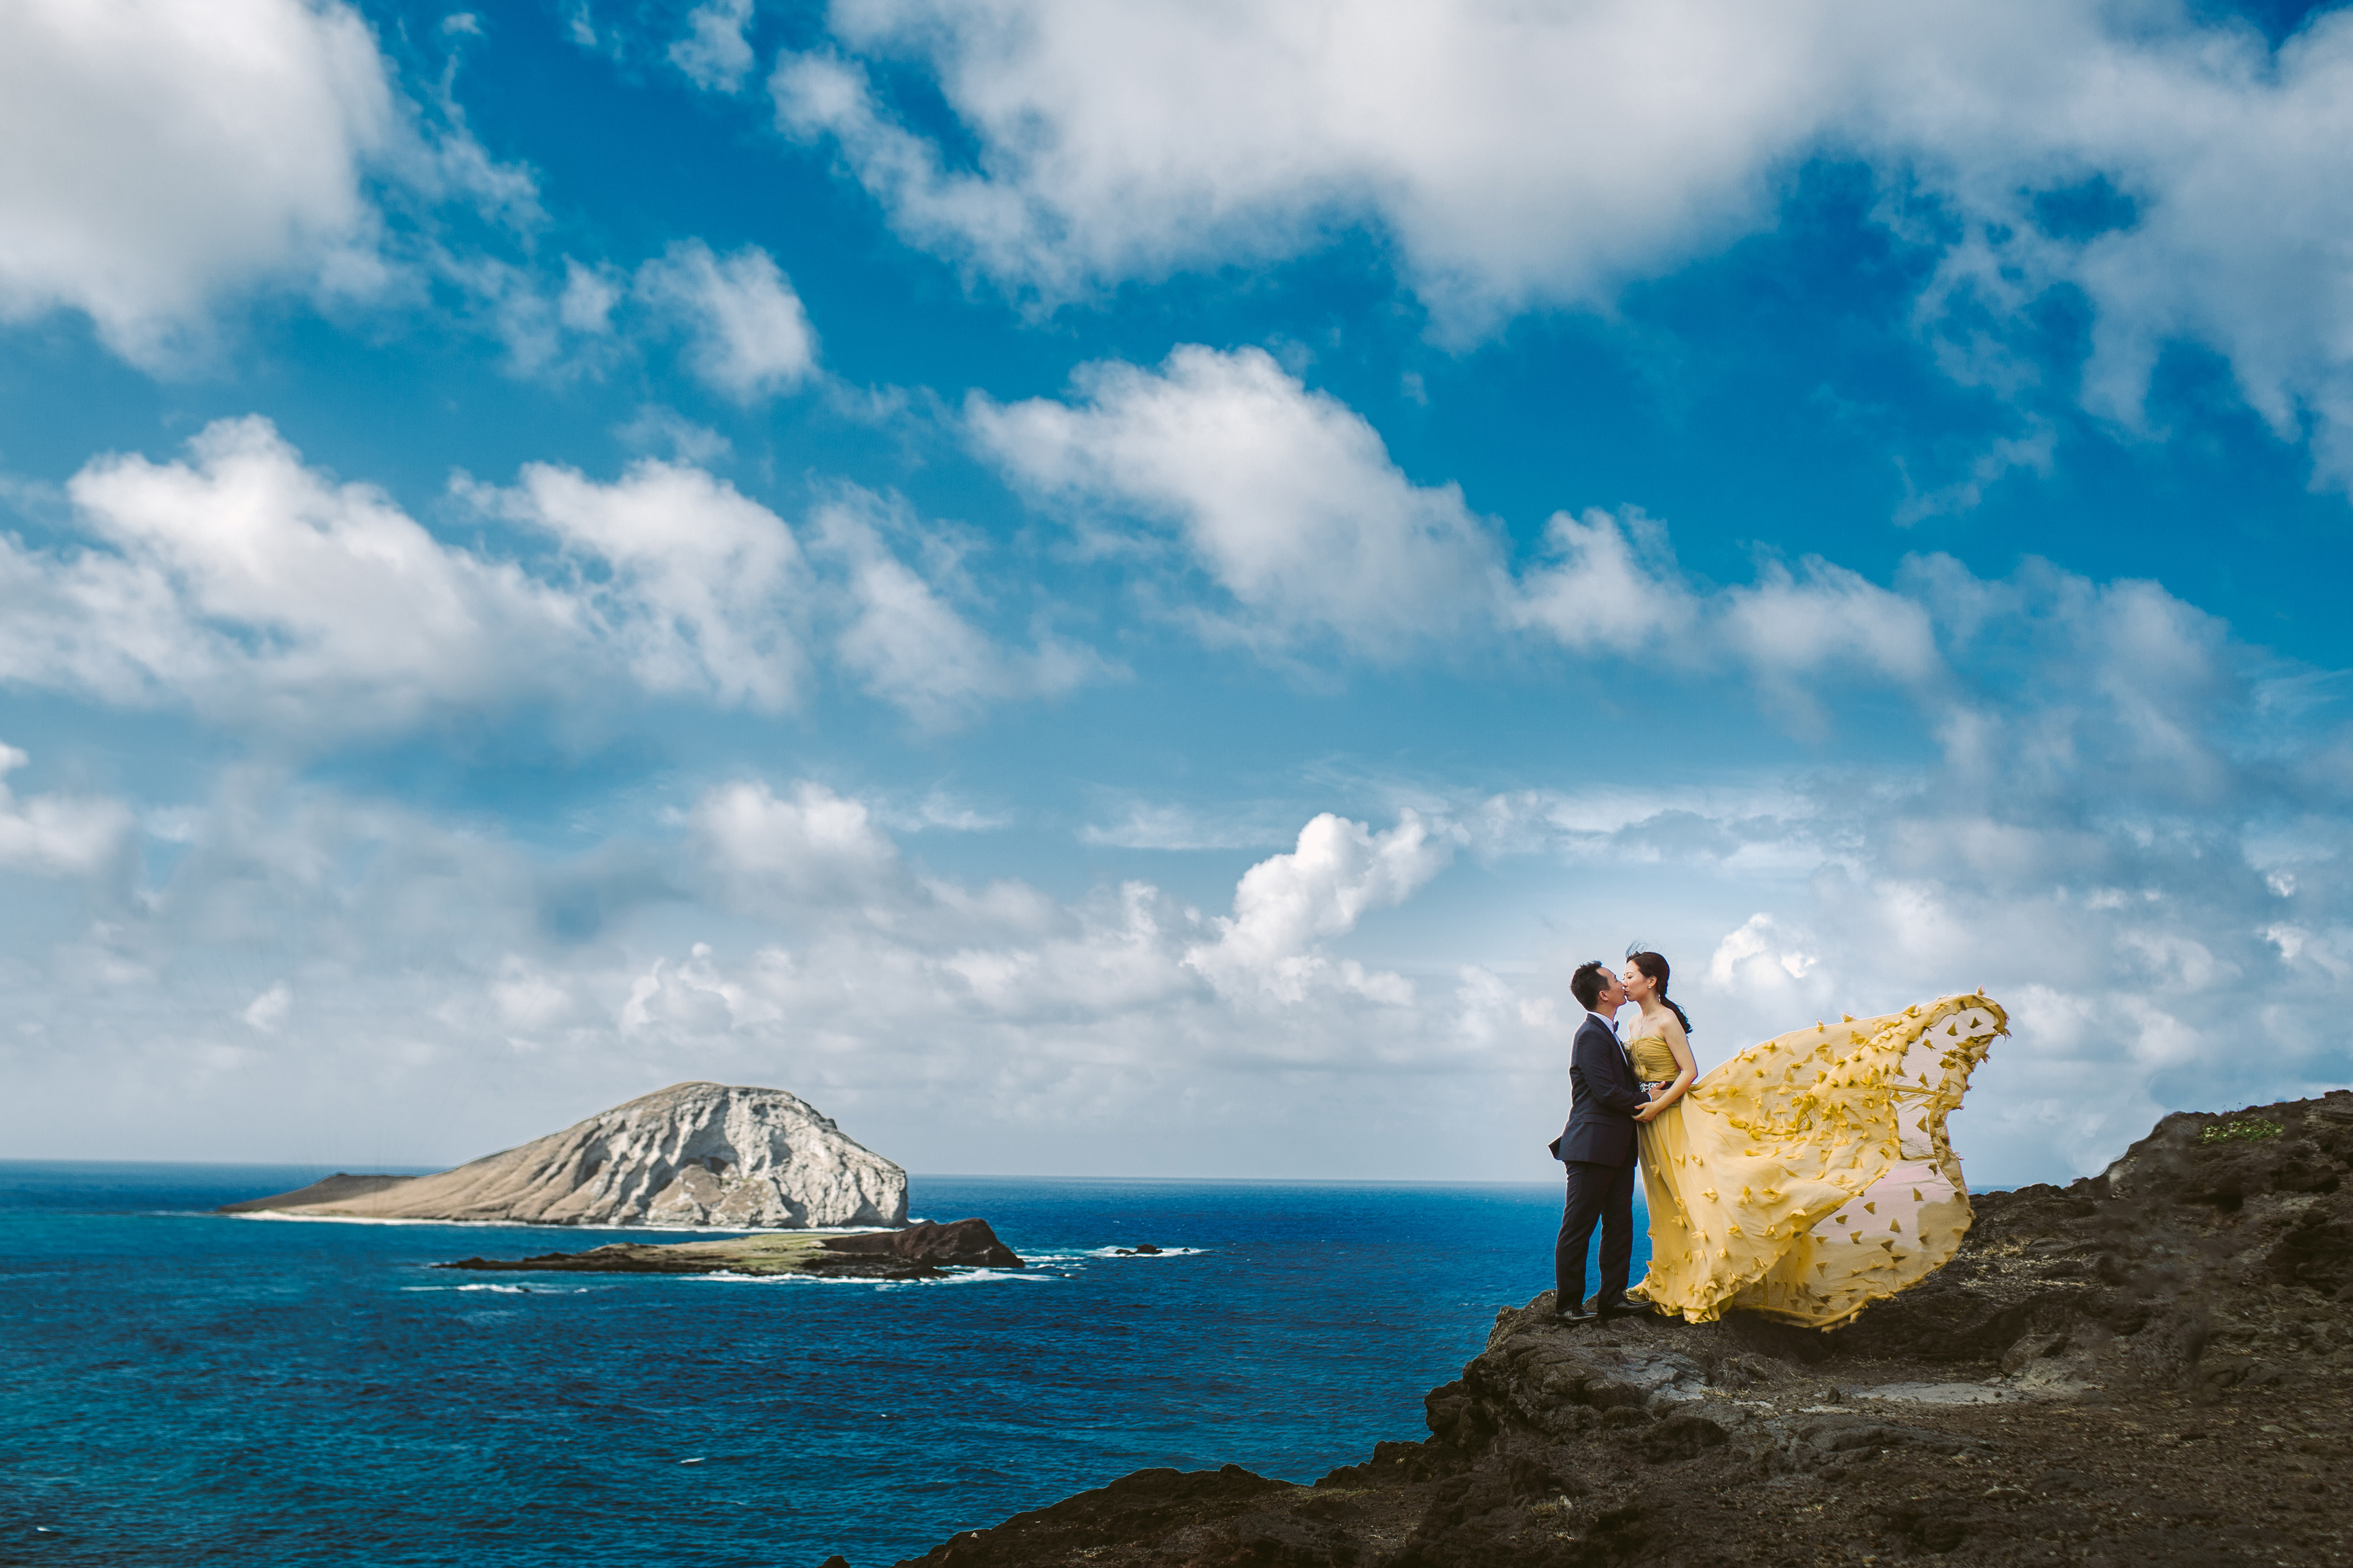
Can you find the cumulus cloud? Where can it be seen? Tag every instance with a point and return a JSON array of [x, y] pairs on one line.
[[55, 835], [713, 53], [815, 847], [1126, 143], [698, 587], [158, 155], [752, 336], [156, 159], [1284, 905], [2190, 179], [244, 583], [1826, 618], [1596, 593], [240, 578], [1286, 497], [1290, 504], [906, 643]]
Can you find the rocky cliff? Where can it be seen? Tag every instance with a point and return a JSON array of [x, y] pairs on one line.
[[693, 1155], [2151, 1367]]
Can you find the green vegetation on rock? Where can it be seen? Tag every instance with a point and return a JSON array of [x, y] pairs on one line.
[[2243, 1131]]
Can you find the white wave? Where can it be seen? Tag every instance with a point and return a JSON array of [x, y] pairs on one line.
[[507, 1289], [974, 1277], [1164, 1252]]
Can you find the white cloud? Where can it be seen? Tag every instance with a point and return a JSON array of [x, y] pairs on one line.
[[1597, 593], [1147, 825], [908, 645], [1286, 497], [154, 155], [752, 337], [529, 1001], [268, 1011], [713, 53], [157, 159], [697, 586], [244, 580], [1758, 945], [1524, 158], [1286, 904], [2034, 450], [57, 834], [816, 848], [1129, 142], [1290, 503], [588, 298], [1828, 618], [258, 590]]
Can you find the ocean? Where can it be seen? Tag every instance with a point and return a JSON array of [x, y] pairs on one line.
[[178, 1387]]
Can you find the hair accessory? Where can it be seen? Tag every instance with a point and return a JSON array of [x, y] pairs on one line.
[[1634, 947]]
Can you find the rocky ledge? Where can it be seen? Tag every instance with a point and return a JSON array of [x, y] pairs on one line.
[[2148, 1367], [921, 1251]]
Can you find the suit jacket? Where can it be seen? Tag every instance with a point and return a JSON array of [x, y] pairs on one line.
[[1600, 1128]]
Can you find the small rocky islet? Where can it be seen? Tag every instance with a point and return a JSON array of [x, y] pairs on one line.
[[923, 1250], [2149, 1367]]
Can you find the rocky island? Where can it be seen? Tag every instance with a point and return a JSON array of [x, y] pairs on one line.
[[694, 1154], [2148, 1367], [922, 1251]]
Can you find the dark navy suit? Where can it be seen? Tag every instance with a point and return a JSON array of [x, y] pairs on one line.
[[1597, 1146]]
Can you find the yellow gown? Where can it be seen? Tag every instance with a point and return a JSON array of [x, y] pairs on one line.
[[1811, 1176]]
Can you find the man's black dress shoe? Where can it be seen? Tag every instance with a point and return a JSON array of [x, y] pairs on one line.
[[1573, 1315]]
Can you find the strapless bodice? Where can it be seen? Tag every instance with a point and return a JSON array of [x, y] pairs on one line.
[[1653, 1062]]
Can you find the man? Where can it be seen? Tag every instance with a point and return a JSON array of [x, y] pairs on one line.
[[1597, 1146]]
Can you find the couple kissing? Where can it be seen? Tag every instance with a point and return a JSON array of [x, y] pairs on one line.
[[1805, 1178]]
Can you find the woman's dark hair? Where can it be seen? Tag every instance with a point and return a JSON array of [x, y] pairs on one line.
[[1655, 966]]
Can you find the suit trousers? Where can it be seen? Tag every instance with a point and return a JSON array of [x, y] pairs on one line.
[[1603, 1193]]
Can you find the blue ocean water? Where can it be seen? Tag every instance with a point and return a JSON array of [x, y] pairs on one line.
[[177, 1387]]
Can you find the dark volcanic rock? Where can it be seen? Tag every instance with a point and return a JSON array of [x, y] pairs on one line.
[[2151, 1367], [922, 1250], [965, 1243], [2141, 1274], [1145, 1503]]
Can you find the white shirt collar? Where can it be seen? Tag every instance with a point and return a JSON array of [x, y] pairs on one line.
[[1611, 1024]]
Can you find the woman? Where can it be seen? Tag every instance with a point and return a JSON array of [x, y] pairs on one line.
[[1809, 1176]]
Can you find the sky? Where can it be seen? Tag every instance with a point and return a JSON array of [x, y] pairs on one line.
[[1127, 590]]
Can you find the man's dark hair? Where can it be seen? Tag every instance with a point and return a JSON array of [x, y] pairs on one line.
[[1588, 983]]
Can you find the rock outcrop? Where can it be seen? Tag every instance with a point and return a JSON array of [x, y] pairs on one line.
[[922, 1251], [2149, 1367], [694, 1154]]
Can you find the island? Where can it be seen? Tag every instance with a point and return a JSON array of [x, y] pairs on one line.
[[695, 1155]]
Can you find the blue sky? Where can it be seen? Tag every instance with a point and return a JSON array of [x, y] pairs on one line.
[[1127, 590]]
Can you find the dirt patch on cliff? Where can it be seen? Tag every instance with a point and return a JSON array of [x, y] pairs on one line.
[[2153, 1366]]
